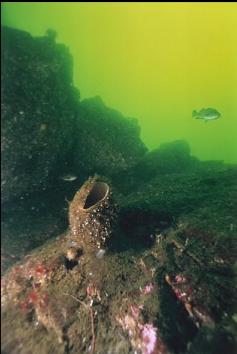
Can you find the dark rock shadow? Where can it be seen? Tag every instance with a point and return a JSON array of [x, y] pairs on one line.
[[173, 316]]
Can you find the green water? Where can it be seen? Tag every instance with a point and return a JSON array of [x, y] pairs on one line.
[[155, 61]]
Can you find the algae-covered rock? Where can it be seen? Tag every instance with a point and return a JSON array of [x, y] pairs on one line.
[[172, 295], [107, 142], [72, 304], [38, 111], [173, 157], [168, 197], [46, 133]]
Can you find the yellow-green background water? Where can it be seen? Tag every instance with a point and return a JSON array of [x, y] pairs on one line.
[[153, 61]]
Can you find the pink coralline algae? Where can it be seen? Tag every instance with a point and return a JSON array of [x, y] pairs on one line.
[[143, 337], [28, 279], [147, 289], [186, 296], [180, 279], [135, 311], [38, 273], [149, 338]]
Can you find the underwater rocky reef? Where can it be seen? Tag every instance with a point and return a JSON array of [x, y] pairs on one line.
[[134, 251], [46, 130], [38, 111]]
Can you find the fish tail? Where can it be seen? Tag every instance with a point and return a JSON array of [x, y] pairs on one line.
[[194, 114]]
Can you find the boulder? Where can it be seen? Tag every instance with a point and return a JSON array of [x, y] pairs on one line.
[[170, 157]]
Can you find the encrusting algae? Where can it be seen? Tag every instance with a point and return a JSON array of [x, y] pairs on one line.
[[30, 286]]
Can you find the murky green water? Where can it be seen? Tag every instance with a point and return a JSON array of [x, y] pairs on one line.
[[156, 62]]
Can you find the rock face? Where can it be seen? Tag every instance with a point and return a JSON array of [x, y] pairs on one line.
[[38, 111], [46, 132], [107, 142]]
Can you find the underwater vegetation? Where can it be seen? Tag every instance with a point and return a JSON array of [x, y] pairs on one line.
[[107, 247]]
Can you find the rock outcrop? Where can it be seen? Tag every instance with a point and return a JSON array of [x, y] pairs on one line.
[[107, 142], [38, 111], [46, 131]]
